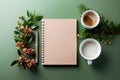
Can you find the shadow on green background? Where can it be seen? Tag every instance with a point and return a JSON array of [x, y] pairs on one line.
[[101, 63]]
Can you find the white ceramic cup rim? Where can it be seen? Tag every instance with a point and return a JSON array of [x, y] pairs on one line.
[[98, 46], [86, 12]]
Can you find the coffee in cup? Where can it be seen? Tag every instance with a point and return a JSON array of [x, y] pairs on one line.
[[90, 19]]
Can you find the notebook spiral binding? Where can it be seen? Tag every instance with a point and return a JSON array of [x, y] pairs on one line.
[[43, 40]]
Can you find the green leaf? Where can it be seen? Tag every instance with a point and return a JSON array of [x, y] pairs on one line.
[[31, 18], [118, 26], [19, 52], [39, 18], [14, 62], [25, 23], [30, 39], [23, 18], [16, 32], [34, 13], [81, 8], [28, 14], [34, 27], [16, 41], [32, 23], [19, 39]]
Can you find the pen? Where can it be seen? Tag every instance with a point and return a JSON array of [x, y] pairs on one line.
[[36, 46]]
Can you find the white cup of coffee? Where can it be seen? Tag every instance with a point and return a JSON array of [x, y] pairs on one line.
[[90, 19], [90, 49]]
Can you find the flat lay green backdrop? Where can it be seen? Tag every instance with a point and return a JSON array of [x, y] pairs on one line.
[[106, 67]]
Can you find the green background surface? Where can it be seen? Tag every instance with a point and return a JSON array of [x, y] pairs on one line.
[[106, 67]]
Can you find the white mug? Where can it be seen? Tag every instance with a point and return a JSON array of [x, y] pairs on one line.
[[90, 19], [90, 49]]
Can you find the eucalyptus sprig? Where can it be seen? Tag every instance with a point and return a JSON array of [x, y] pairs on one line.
[[24, 37], [103, 32]]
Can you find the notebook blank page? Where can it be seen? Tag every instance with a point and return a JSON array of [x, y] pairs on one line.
[[60, 42]]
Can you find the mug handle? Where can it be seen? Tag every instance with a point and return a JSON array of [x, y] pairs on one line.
[[89, 62]]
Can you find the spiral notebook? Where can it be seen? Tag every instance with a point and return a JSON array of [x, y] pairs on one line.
[[59, 43]]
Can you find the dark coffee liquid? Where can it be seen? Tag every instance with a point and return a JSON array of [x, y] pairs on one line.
[[88, 21]]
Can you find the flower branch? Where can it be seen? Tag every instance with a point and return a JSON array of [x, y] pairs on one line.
[[24, 37], [103, 32]]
